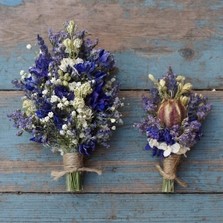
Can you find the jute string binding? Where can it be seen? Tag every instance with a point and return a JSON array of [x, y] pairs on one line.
[[73, 162], [169, 170]]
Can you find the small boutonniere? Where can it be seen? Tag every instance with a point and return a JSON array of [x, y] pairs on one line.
[[174, 116]]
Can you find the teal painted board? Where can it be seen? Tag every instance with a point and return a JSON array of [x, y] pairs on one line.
[[126, 165], [106, 208], [145, 36], [10, 2]]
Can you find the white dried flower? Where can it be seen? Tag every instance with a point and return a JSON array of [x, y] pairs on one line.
[[47, 118], [65, 62], [62, 132], [22, 72], [28, 46], [53, 98], [77, 43], [113, 120], [113, 127], [60, 105], [50, 114], [78, 60], [82, 135], [64, 99], [69, 133], [45, 91], [66, 103], [53, 80], [73, 113], [64, 127]]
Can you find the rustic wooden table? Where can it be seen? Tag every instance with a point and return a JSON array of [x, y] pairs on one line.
[[146, 37]]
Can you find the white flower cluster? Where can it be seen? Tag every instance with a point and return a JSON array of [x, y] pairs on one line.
[[47, 118], [176, 148]]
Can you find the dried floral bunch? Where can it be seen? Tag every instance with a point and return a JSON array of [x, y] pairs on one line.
[[70, 101], [173, 123]]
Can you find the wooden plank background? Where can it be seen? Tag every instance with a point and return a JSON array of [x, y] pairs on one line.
[[146, 36]]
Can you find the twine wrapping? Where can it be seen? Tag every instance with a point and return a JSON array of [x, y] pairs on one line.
[[73, 162], [169, 170]]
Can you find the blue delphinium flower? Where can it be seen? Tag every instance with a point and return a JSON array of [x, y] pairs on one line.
[[71, 97]]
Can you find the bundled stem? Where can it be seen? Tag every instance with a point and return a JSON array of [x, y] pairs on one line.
[[73, 168], [74, 181], [170, 165]]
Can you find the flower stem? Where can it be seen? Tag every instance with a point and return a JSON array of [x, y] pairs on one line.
[[74, 181], [168, 186]]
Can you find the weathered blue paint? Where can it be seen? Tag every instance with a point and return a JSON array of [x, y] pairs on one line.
[[150, 36], [11, 2], [163, 5], [11, 63], [105, 208], [195, 52], [201, 65], [127, 166]]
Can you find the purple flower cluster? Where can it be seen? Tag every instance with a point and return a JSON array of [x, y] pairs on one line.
[[70, 100], [183, 135]]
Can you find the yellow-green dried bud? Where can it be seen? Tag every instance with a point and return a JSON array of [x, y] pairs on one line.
[[151, 77], [60, 72], [180, 86], [71, 27], [184, 100], [67, 42], [186, 88], [66, 76], [180, 78], [77, 43], [29, 107], [171, 112], [65, 83], [78, 103], [83, 90], [162, 83]]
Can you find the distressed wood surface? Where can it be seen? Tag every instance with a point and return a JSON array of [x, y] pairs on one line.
[[146, 36], [106, 208], [126, 165]]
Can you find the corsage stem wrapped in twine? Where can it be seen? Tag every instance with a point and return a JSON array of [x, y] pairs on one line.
[[169, 171], [173, 123], [73, 168]]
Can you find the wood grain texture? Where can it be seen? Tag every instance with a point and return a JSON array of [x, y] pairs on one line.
[[146, 36], [127, 167], [104, 208]]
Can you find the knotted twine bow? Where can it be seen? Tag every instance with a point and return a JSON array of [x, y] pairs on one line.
[[169, 170], [73, 162]]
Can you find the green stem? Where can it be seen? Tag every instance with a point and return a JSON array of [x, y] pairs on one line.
[[168, 186], [74, 181]]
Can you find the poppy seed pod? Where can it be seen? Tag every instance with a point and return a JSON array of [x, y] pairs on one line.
[[171, 112]]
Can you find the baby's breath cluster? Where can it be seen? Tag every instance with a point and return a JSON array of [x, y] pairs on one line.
[[70, 101]]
